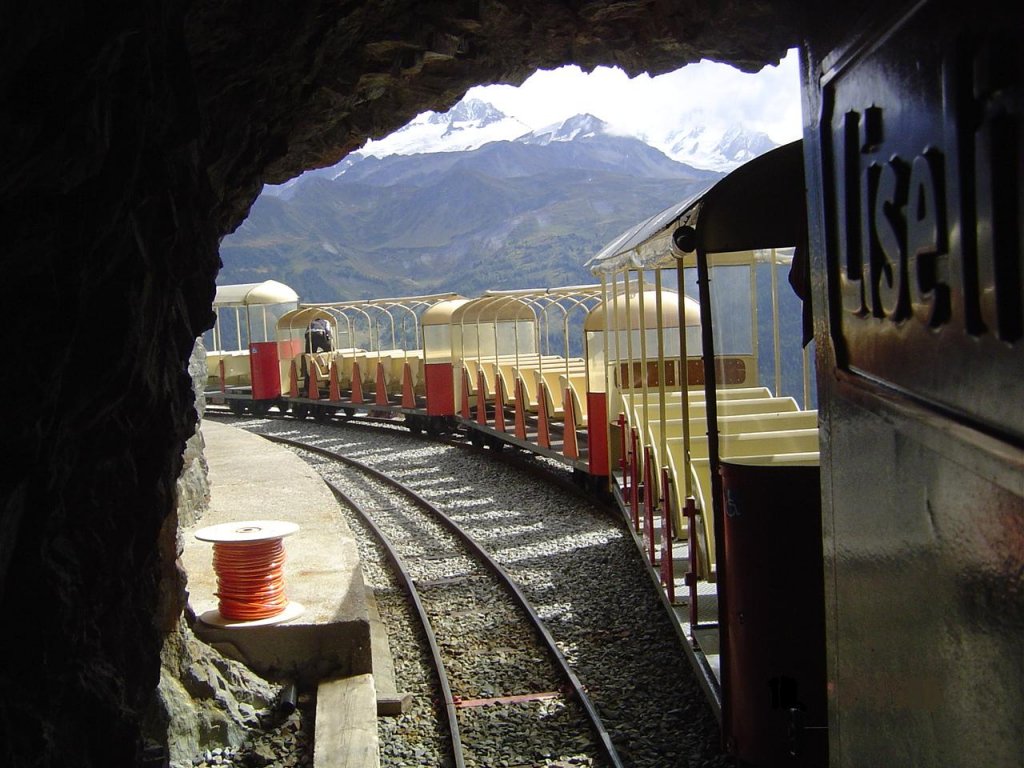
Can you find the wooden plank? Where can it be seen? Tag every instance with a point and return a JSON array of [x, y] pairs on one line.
[[389, 701], [346, 724]]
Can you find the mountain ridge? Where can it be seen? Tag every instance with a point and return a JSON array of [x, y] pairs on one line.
[[508, 214], [474, 122]]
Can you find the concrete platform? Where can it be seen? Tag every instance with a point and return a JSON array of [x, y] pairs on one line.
[[253, 479]]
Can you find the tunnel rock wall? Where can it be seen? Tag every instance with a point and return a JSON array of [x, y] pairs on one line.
[[134, 135], [360, 70]]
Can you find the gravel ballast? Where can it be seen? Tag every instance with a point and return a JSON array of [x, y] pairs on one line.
[[577, 564]]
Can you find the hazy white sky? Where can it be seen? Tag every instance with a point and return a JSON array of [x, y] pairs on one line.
[[768, 101]]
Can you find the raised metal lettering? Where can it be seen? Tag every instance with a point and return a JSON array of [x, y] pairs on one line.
[[927, 243], [851, 274], [888, 264]]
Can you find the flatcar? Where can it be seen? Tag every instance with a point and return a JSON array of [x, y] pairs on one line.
[[679, 385]]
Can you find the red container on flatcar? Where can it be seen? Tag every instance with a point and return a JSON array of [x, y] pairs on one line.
[[266, 374]]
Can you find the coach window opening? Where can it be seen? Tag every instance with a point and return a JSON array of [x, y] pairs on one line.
[[460, 350], [341, 333], [588, 298], [350, 354], [217, 343], [336, 331], [642, 344], [642, 323], [543, 303], [572, 300], [630, 381], [471, 317], [502, 312], [239, 343], [531, 300], [599, 384], [399, 313], [548, 303], [356, 313], [522, 301], [776, 351], [531, 343], [338, 316], [292, 325], [613, 378], [766, 348], [413, 306], [638, 316], [684, 388], [471, 336], [408, 313], [545, 324], [565, 300], [659, 312], [383, 317], [421, 308], [776, 259], [468, 333], [374, 320], [540, 304]]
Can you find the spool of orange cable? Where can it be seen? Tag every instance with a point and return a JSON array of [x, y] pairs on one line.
[[248, 559]]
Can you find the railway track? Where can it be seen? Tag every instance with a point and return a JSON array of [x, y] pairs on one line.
[[448, 575], [574, 561]]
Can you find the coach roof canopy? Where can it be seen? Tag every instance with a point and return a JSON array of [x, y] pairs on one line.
[[250, 294]]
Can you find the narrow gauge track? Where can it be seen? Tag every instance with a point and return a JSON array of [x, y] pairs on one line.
[[548, 470], [419, 520], [574, 558]]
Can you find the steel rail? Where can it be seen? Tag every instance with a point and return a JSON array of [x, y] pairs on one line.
[[578, 691], [455, 738]]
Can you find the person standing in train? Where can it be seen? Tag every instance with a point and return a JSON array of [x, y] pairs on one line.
[[318, 336]]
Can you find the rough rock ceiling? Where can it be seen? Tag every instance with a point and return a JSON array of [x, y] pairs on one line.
[[363, 69], [133, 134]]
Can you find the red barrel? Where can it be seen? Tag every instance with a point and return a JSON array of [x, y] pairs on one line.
[[266, 374], [774, 615]]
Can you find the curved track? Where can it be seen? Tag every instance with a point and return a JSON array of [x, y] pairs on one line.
[[574, 557], [452, 703]]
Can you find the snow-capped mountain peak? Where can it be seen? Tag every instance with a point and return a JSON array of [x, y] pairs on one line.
[[475, 112], [474, 122], [719, 148], [468, 125], [576, 127]]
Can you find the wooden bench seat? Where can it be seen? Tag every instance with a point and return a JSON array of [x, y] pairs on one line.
[[746, 422], [637, 418], [698, 395], [786, 446], [674, 410], [529, 380], [393, 363], [232, 367]]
